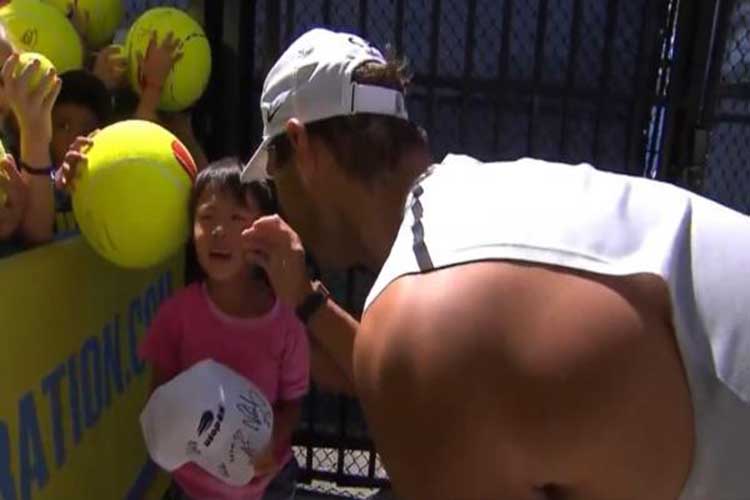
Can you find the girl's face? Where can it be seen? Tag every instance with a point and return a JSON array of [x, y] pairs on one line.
[[219, 222], [70, 120]]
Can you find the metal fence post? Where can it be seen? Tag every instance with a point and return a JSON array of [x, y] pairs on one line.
[[697, 71]]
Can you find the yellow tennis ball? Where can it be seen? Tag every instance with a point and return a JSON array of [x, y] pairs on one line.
[[34, 26], [27, 58], [189, 76], [131, 197], [104, 17]]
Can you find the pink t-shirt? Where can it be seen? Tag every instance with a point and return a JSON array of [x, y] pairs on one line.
[[272, 351]]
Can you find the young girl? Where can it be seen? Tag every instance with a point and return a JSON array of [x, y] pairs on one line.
[[232, 316]]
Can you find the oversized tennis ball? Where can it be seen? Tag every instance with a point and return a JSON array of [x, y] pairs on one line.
[[34, 26], [104, 17], [27, 58], [131, 197], [189, 76]]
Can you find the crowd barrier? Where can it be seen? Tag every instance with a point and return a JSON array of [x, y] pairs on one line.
[[72, 386]]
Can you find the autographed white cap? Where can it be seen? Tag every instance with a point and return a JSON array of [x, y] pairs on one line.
[[211, 416]]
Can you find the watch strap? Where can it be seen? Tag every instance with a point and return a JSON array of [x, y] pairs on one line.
[[312, 302]]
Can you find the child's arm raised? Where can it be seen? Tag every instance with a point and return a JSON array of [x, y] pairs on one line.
[[154, 67], [32, 106]]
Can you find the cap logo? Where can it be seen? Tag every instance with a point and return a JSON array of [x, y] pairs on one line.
[[274, 106], [206, 420], [272, 110], [216, 428]]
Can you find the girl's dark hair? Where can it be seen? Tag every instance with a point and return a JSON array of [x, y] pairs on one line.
[[82, 88], [224, 175]]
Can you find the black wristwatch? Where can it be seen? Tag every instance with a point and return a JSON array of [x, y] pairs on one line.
[[312, 302]]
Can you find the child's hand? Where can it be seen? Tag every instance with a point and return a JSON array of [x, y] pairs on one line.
[[110, 67], [74, 159], [16, 196], [31, 105], [155, 66], [266, 464], [80, 20]]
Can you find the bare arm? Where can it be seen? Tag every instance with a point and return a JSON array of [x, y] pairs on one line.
[[147, 104], [273, 245], [522, 383], [333, 331], [39, 221], [326, 372], [32, 107]]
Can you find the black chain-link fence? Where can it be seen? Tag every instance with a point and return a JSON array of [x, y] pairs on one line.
[[565, 80], [727, 176], [707, 137]]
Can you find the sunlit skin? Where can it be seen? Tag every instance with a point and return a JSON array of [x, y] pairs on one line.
[[517, 381]]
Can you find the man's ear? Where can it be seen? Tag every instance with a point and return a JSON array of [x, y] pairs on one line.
[[305, 156]]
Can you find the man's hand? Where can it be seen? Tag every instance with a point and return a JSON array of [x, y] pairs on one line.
[[16, 196], [110, 66], [273, 245]]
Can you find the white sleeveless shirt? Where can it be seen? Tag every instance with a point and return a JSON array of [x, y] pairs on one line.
[[577, 217]]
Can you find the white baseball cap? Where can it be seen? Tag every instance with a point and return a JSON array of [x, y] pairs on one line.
[[312, 81], [211, 416]]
